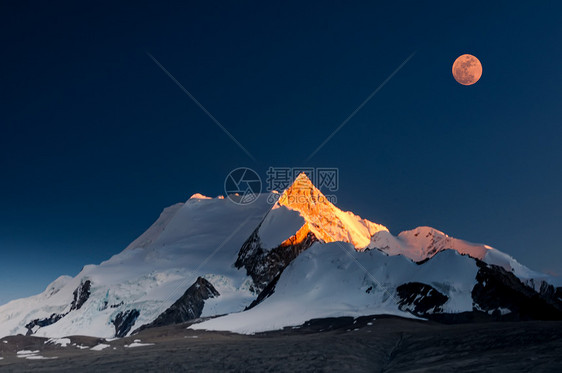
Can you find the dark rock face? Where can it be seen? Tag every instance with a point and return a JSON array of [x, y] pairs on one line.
[[266, 293], [550, 292], [497, 296], [188, 307], [81, 295], [498, 288], [43, 322], [124, 321], [420, 299], [265, 265]]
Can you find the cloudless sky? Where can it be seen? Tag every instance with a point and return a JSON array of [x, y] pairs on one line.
[[96, 140]]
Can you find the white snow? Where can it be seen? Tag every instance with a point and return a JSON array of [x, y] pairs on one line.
[[39, 357], [32, 355], [496, 257], [137, 344], [424, 242], [326, 281], [99, 347], [201, 237], [154, 231], [279, 224], [63, 342], [200, 196], [504, 311], [27, 352]]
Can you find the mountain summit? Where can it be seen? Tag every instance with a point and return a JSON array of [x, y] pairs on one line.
[[326, 221], [301, 217], [267, 267]]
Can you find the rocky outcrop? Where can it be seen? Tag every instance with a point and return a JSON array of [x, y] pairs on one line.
[[124, 321], [265, 293], [188, 307], [548, 291], [81, 295], [39, 323], [420, 299], [503, 295], [262, 265], [318, 221], [497, 296]]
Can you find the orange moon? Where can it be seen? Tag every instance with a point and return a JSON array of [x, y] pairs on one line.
[[467, 69]]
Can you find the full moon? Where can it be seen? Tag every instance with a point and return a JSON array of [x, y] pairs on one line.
[[467, 69]]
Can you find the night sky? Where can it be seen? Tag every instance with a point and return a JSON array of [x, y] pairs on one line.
[[96, 140]]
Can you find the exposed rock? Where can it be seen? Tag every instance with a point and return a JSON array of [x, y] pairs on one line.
[[188, 307], [43, 322], [124, 321], [420, 299], [497, 295], [548, 291], [266, 293], [498, 289], [324, 219], [322, 222], [81, 295], [265, 265]]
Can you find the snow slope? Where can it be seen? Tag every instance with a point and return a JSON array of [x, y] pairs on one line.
[[424, 242], [333, 279], [152, 233], [279, 224], [199, 238]]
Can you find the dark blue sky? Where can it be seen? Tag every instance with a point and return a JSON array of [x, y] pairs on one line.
[[96, 140]]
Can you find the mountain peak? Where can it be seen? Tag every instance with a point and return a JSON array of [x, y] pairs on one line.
[[302, 194], [302, 178], [323, 218]]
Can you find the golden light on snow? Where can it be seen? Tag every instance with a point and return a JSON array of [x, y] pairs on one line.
[[323, 219]]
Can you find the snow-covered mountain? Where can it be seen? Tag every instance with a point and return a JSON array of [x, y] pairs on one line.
[[304, 207], [270, 266], [199, 238]]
